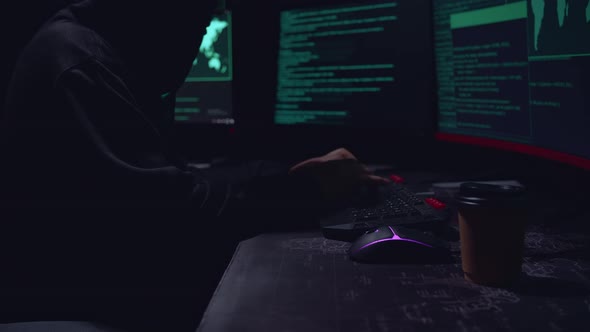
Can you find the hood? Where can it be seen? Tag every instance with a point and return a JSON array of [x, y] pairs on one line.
[[158, 40]]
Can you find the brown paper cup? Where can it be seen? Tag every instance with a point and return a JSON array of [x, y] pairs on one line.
[[492, 244]]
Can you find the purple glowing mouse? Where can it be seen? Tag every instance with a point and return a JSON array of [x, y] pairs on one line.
[[395, 244]]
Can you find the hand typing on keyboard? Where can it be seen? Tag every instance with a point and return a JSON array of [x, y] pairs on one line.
[[341, 177]]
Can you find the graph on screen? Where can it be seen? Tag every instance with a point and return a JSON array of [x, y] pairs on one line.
[[206, 96], [516, 71]]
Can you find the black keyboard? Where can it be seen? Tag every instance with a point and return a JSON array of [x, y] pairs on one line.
[[397, 206]]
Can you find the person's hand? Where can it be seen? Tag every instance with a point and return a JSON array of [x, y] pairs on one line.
[[340, 176]]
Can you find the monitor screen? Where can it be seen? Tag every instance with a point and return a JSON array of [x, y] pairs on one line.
[[206, 96], [363, 64], [515, 75]]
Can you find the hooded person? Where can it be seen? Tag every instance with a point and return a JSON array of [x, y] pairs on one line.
[[85, 125], [87, 157], [84, 102]]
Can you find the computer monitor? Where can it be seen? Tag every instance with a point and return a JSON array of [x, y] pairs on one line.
[[206, 96], [355, 64], [515, 75]]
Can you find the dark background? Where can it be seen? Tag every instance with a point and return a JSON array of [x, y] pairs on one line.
[[257, 138]]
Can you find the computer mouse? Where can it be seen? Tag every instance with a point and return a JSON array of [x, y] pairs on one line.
[[395, 244]]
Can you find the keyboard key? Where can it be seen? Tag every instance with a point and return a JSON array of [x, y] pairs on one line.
[[399, 204], [435, 203]]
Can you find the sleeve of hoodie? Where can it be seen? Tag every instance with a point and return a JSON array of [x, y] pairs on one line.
[[121, 136]]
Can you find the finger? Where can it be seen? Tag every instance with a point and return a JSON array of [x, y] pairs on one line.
[[376, 179], [305, 163], [342, 153], [348, 154]]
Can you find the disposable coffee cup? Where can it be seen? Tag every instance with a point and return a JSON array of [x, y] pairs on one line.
[[492, 221]]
